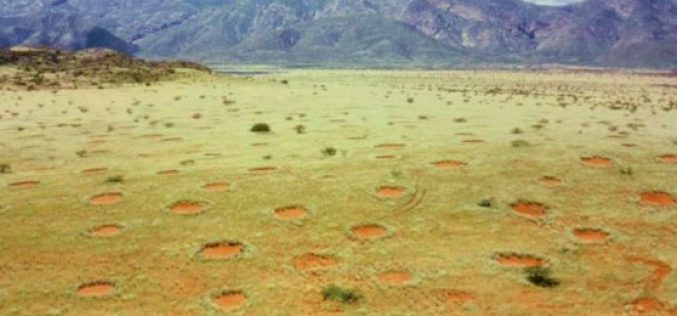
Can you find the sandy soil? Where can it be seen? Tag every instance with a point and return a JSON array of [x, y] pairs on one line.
[[428, 193]]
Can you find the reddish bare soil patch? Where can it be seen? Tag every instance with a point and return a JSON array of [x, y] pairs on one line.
[[93, 171], [646, 305], [312, 262], [395, 277], [222, 250], [369, 231], [263, 170], [94, 289], [289, 213], [24, 184], [106, 199], [187, 207], [590, 235], [230, 300], [657, 198], [597, 161], [519, 260], [669, 158], [216, 186], [549, 181], [390, 146], [105, 230], [530, 209], [458, 296], [390, 192], [662, 270], [168, 172], [449, 164]]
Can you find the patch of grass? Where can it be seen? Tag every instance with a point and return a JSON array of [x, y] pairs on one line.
[[260, 128], [627, 171], [540, 277], [5, 168], [341, 295], [300, 129], [486, 203], [460, 120], [520, 143], [517, 130], [115, 179], [329, 151]]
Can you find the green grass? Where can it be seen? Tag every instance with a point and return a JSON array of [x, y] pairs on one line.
[[341, 295]]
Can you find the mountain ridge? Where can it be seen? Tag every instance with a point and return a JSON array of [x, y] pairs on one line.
[[622, 33]]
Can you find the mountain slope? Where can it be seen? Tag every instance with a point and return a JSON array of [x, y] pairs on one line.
[[435, 32]]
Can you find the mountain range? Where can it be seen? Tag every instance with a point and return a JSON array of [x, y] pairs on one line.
[[620, 33]]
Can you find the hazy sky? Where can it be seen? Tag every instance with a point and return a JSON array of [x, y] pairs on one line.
[[553, 2]]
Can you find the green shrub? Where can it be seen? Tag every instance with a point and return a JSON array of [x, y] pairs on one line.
[[260, 128], [341, 295]]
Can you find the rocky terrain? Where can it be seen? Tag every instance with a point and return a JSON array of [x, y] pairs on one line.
[[365, 32], [41, 68]]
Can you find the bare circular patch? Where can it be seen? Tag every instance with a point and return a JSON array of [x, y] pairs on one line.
[[390, 146], [530, 209], [657, 198], [369, 231], [289, 213], [230, 300], [646, 305], [96, 289], [106, 199], [390, 192], [668, 158], [519, 260], [222, 250], [395, 277], [597, 161], [312, 262], [105, 230], [449, 164], [216, 186], [93, 171], [549, 181], [458, 296], [187, 207], [24, 184], [263, 170], [590, 235]]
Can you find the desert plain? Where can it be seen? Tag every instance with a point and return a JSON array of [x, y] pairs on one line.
[[342, 192]]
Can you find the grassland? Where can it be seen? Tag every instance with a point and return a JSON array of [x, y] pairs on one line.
[[372, 193]]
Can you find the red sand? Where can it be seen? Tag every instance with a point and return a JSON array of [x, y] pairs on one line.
[[226, 250]]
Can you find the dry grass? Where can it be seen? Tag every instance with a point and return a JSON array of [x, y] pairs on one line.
[[445, 231]]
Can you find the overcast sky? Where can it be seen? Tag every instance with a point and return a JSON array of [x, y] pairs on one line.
[[553, 2]]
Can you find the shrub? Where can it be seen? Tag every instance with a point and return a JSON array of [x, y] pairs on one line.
[[329, 151], [341, 295], [260, 128], [5, 168], [540, 276]]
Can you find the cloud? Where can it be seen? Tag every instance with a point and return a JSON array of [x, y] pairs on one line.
[[553, 2]]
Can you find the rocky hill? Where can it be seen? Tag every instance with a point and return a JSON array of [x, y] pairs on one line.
[[631, 33]]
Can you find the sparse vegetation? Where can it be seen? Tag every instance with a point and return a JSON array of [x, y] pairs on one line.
[[329, 151], [540, 276], [5, 168], [341, 295], [260, 128], [114, 179]]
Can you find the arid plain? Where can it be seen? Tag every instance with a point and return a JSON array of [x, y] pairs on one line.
[[411, 192]]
